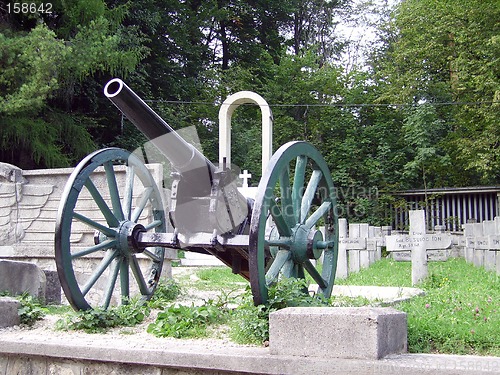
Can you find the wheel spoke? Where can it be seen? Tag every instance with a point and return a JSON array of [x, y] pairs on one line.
[[142, 204], [286, 197], [288, 268], [279, 220], [84, 219], [281, 257], [105, 262], [102, 246], [111, 282], [153, 224], [125, 280], [113, 190], [99, 200], [318, 214], [315, 274], [309, 194], [298, 185], [136, 270], [152, 255], [129, 189]]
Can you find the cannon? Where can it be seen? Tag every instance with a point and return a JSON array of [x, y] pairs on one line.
[[288, 230]]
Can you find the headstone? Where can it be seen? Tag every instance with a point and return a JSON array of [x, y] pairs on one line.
[[480, 244], [342, 262], [418, 245], [419, 269], [489, 229], [20, 277], [9, 312], [364, 254], [355, 243], [469, 242]]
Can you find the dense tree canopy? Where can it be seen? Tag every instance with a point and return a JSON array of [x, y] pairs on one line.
[[420, 112]]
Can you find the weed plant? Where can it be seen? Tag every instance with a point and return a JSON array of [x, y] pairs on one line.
[[188, 321], [99, 320]]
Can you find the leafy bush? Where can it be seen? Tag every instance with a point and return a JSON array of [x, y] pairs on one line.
[[165, 292], [31, 309], [187, 321], [99, 320]]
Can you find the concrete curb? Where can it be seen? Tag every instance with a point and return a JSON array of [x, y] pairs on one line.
[[35, 355]]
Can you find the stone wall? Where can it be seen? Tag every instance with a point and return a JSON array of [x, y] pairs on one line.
[[29, 200]]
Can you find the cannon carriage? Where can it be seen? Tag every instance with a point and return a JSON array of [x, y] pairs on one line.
[[273, 235]]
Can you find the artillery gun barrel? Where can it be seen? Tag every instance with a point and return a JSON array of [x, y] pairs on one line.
[[183, 156], [199, 188]]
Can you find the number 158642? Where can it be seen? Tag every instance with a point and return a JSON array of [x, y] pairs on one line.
[[25, 8]]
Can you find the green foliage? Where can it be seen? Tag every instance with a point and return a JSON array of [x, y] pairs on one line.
[[459, 312], [187, 321], [442, 52], [165, 292], [99, 320], [31, 309], [250, 324], [385, 272], [45, 67]]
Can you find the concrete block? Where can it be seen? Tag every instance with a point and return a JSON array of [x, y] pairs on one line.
[[343, 332], [20, 277], [9, 312]]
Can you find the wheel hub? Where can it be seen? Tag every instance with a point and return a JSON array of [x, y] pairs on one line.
[[127, 235], [304, 244]]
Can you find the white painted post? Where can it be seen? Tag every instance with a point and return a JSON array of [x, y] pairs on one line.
[[478, 258], [419, 269], [342, 262], [226, 112], [489, 255], [354, 263], [364, 255]]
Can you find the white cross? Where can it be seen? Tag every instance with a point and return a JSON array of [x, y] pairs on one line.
[[245, 176]]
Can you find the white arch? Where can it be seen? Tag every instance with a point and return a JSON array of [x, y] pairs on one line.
[[226, 112]]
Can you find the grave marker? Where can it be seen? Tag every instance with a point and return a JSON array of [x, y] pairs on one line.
[[416, 244]]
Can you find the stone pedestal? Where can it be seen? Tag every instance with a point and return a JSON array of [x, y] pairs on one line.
[[343, 332]]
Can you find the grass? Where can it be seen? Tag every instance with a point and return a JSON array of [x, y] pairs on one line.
[[459, 313]]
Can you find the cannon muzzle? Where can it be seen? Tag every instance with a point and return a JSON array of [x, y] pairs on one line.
[[183, 156]]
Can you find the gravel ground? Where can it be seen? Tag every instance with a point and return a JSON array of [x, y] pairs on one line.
[[133, 337]]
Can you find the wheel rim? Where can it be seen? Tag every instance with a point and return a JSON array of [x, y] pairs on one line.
[[114, 213], [284, 239]]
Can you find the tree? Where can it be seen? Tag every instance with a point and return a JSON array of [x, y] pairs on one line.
[[46, 62], [446, 54]]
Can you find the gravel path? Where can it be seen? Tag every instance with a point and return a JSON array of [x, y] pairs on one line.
[[44, 331]]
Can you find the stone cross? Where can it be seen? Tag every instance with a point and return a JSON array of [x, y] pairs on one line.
[[245, 176], [417, 242]]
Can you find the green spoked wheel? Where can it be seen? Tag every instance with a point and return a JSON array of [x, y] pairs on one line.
[[109, 198], [295, 198]]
